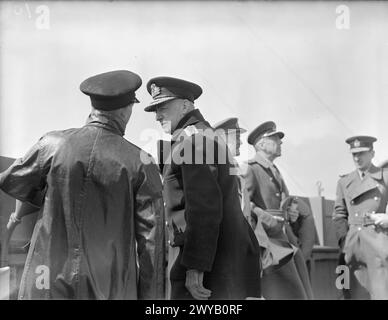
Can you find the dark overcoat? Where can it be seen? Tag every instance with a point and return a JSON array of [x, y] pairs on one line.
[[204, 214], [100, 229]]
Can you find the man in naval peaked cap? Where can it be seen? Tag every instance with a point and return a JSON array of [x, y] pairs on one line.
[[213, 251]]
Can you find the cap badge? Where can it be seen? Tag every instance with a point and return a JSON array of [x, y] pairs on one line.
[[155, 90], [357, 143]]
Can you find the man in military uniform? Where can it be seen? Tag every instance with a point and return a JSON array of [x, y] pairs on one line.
[[361, 220], [218, 254], [273, 254], [99, 233], [267, 189]]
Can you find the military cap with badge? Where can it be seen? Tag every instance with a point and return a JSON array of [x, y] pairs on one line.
[[164, 89], [265, 129], [360, 143]]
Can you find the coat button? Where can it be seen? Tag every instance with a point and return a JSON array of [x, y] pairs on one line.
[[166, 223], [356, 214], [376, 198], [359, 228], [277, 194]]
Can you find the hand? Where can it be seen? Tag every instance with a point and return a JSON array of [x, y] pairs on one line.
[[11, 225], [12, 222], [194, 283], [380, 219]]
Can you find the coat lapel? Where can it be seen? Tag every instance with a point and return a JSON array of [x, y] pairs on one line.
[[357, 187], [276, 178]]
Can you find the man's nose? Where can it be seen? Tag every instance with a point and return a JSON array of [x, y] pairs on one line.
[[158, 116]]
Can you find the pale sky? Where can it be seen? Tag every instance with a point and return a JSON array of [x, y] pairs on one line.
[[258, 61]]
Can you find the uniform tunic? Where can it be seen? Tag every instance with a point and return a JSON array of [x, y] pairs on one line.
[[267, 188], [364, 244], [206, 223]]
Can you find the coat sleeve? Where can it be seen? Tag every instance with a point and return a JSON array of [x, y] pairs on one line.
[[304, 229], [25, 179], [340, 216], [203, 210], [306, 236], [253, 188], [149, 229]]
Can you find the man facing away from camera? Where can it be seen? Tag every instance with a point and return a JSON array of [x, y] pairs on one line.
[[361, 219], [217, 254], [99, 233]]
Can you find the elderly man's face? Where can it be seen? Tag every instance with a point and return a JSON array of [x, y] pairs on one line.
[[363, 159], [169, 114], [272, 145]]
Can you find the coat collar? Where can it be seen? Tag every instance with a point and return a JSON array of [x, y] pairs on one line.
[[190, 119], [357, 187], [270, 168], [109, 122], [260, 160], [374, 172]]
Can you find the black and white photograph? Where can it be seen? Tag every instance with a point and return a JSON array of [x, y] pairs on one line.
[[162, 150]]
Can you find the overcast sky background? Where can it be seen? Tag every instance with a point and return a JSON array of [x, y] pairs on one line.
[[258, 61]]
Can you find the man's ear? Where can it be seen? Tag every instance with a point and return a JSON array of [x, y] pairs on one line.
[[187, 106]]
